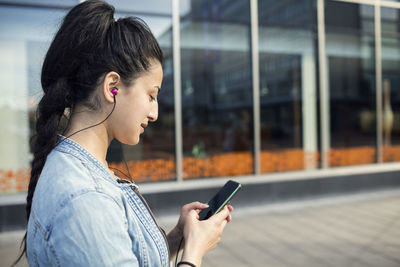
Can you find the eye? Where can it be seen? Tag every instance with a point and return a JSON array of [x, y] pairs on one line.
[[152, 98]]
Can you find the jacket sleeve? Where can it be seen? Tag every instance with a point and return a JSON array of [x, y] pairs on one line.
[[91, 230]]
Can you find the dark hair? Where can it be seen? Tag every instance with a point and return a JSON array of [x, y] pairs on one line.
[[88, 45]]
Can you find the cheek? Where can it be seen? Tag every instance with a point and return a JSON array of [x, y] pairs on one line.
[[141, 109], [135, 112], [136, 116]]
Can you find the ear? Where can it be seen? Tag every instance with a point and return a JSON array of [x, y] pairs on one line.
[[110, 82]]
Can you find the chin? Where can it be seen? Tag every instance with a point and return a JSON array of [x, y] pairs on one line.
[[137, 141], [131, 141]]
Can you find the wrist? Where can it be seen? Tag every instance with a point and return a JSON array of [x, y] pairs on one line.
[[195, 262], [185, 263], [191, 255]]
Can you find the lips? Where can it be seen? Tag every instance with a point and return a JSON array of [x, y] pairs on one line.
[[144, 125]]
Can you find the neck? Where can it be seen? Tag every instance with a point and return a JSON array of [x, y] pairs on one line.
[[95, 139]]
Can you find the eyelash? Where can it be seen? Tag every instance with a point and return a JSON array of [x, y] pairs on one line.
[[152, 98]]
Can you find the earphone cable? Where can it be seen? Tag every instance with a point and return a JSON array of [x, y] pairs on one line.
[[97, 124], [177, 252], [121, 172], [127, 168]]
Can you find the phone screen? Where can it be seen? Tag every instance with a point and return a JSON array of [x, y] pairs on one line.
[[222, 198]]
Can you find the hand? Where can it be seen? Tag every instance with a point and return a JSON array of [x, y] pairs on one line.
[[175, 236], [203, 236], [196, 206]]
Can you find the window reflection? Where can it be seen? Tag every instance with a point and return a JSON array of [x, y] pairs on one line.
[[23, 44], [216, 88], [216, 81], [287, 85], [391, 83], [350, 48], [41, 3], [142, 7]]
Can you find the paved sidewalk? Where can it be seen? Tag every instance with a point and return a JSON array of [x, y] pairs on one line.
[[358, 230]]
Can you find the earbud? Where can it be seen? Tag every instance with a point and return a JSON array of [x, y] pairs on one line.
[[114, 91]]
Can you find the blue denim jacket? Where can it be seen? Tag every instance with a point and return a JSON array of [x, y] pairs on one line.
[[81, 216]]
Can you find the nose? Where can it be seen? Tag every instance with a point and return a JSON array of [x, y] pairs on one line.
[[153, 115]]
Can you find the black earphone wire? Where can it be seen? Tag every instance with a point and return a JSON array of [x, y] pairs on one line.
[[97, 124], [121, 172], [127, 168], [177, 252]]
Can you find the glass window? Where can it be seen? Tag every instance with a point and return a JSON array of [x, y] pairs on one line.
[[40, 3], [288, 85], [24, 38], [216, 88], [148, 6], [390, 23], [350, 51]]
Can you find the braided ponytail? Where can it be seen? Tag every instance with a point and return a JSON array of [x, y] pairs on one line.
[[50, 110], [88, 45]]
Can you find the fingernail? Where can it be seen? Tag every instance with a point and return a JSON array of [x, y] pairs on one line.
[[205, 205]]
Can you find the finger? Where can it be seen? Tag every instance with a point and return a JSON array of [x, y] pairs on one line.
[[223, 224], [229, 218], [193, 213], [195, 205], [192, 216], [222, 215]]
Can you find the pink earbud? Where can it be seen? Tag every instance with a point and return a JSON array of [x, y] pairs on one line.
[[114, 91]]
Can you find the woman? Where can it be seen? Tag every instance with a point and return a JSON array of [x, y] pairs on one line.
[[104, 76]]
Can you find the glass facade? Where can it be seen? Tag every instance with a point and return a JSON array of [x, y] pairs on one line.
[[390, 26], [25, 34], [350, 52], [287, 54], [216, 88], [216, 92]]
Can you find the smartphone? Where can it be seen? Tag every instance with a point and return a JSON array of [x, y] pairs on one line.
[[221, 199]]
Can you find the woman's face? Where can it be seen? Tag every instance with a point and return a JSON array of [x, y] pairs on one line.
[[137, 106]]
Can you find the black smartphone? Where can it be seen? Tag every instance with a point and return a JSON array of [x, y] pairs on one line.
[[221, 199]]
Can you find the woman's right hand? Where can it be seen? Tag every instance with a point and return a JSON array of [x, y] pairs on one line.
[[203, 236]]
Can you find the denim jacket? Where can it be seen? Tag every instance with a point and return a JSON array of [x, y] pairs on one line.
[[81, 216]]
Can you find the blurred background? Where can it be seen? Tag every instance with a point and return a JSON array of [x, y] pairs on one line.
[[295, 99]]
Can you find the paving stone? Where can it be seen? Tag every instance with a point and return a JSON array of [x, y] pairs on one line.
[[328, 232]]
